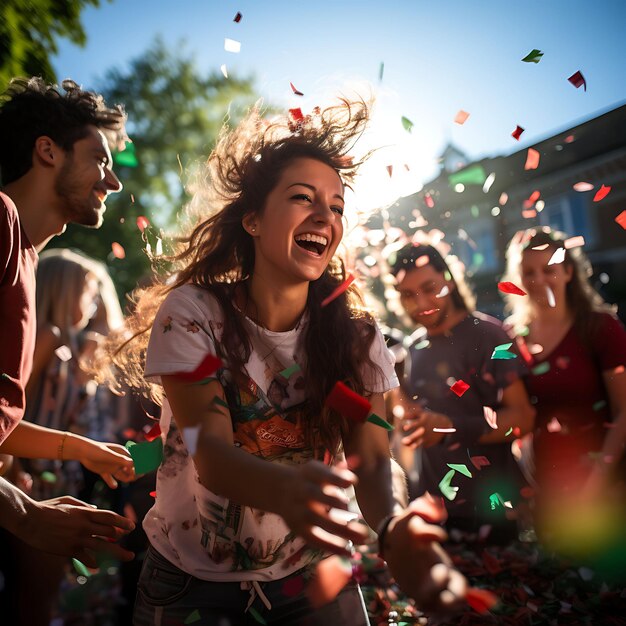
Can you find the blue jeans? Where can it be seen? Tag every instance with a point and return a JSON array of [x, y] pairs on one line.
[[167, 596]]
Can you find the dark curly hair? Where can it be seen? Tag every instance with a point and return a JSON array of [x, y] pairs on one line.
[[31, 108], [218, 255]]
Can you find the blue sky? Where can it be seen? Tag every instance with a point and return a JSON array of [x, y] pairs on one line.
[[439, 56]]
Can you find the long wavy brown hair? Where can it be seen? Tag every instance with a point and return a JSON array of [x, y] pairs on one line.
[[582, 299], [218, 255]]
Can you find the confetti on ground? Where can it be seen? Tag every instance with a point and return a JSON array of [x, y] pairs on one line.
[[602, 193], [224, 70], [582, 186], [557, 257], [491, 417], [534, 56], [118, 250], [540, 369], [208, 366], [81, 568], [153, 432], [142, 223], [461, 117], [338, 290], [532, 159], [64, 353], [296, 91], [577, 79], [459, 467], [448, 490], [517, 133], [407, 124], [459, 387], [574, 242], [348, 403], [480, 461], [290, 371], [230, 45], [508, 287], [237, 17], [621, 219], [147, 455]]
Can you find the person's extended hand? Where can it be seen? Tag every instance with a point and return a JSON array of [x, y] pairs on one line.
[[421, 422], [70, 527], [416, 560], [312, 506], [110, 460]]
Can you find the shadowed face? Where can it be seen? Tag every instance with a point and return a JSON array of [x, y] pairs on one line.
[[545, 284]]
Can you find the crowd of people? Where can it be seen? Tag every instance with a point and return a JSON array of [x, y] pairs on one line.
[[274, 381]]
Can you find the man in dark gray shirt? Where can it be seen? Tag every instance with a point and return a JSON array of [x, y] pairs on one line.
[[462, 407]]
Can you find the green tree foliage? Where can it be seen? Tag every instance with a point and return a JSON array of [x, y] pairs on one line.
[[175, 115], [28, 33]]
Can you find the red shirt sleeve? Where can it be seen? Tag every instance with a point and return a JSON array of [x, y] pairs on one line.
[[17, 315]]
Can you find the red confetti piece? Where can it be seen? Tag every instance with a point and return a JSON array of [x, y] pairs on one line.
[[430, 203], [348, 403], [129, 433], [529, 213], [621, 219], [459, 387], [480, 600], [461, 117], [479, 461], [208, 366], [118, 250], [295, 91], [577, 79], [534, 196], [516, 134], [142, 223], [153, 494], [339, 290], [296, 115], [293, 586], [602, 193], [237, 17], [532, 159], [507, 287], [153, 433], [390, 170]]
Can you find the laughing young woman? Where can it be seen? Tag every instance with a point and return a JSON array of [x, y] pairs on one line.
[[250, 490]]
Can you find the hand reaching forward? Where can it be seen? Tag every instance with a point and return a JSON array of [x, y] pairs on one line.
[[312, 506], [110, 460], [70, 527], [418, 563]]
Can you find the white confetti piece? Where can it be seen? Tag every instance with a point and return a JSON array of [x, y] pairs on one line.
[[64, 353], [230, 45]]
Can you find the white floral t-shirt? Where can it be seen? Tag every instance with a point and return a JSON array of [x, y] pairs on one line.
[[203, 533]]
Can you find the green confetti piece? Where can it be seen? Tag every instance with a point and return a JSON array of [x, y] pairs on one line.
[[379, 421], [407, 124], [81, 568], [381, 71], [147, 455], [478, 259], [194, 616], [48, 477], [459, 467], [540, 369], [475, 211], [126, 157], [290, 371], [257, 616], [503, 354], [448, 490], [534, 56], [508, 432], [503, 346], [495, 500], [600, 404], [473, 175]]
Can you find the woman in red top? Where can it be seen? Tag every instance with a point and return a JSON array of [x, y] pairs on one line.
[[575, 349]]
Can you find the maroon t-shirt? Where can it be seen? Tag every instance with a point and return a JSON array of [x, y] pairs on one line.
[[568, 392], [18, 325]]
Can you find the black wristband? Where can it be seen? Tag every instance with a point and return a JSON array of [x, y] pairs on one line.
[[381, 531]]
